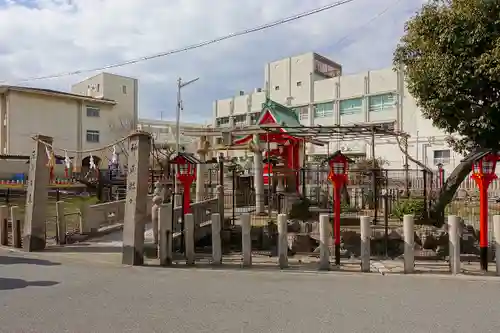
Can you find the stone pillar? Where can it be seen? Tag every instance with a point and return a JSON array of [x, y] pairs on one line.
[[36, 197], [189, 239], [200, 170], [496, 234], [246, 240], [157, 201], [61, 223], [365, 243], [258, 178], [454, 238], [216, 240], [282, 241], [324, 242], [165, 234], [136, 200], [409, 249]]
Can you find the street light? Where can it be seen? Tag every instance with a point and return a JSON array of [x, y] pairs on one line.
[[483, 172], [180, 85]]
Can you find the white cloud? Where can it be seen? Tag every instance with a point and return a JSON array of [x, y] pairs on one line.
[[51, 36]]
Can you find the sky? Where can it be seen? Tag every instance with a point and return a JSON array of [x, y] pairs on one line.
[[45, 37]]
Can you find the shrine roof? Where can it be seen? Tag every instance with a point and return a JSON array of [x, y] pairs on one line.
[[283, 115]]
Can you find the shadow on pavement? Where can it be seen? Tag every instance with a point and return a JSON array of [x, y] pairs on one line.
[[17, 260], [85, 248], [10, 284]]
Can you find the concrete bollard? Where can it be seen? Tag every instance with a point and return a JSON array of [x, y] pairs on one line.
[[189, 239], [324, 242], [409, 249], [282, 241], [216, 240], [61, 223], [246, 240], [16, 227], [496, 233], [454, 239], [365, 227], [165, 234], [4, 215]]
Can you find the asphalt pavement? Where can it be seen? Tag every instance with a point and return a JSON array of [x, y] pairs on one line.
[[40, 295]]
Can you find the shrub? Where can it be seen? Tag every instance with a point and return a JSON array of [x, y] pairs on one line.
[[300, 210], [409, 207]]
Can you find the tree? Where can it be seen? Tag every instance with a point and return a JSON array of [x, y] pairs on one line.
[[450, 55]]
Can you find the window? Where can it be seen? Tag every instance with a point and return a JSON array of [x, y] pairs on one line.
[[323, 110], [302, 112], [98, 87], [93, 111], [350, 106], [299, 83], [277, 88], [92, 136], [240, 119], [442, 156], [383, 102], [223, 121], [124, 89]]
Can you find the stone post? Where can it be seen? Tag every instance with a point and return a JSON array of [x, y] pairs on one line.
[[246, 240], [136, 200], [216, 240], [201, 169], [496, 234], [282, 241], [409, 247], [36, 197], [365, 243], [4, 215], [157, 201], [165, 234], [324, 242], [258, 177], [189, 239], [61, 223], [16, 227], [454, 238]]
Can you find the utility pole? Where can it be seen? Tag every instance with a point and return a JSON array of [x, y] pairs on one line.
[[178, 110]]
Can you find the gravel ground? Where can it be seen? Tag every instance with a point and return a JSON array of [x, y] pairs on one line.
[[41, 296]]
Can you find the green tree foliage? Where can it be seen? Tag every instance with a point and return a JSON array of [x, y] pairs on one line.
[[451, 59], [450, 55]]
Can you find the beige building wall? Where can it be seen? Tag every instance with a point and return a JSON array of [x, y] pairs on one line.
[[337, 99]]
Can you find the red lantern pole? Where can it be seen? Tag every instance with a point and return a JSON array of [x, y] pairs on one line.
[[484, 174], [187, 197], [337, 186]]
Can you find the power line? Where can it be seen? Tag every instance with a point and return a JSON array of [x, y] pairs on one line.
[[194, 46]]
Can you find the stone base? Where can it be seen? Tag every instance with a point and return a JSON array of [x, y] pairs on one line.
[[132, 256], [33, 243]]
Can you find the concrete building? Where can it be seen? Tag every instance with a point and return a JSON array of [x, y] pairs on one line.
[[164, 132], [321, 94], [96, 112]]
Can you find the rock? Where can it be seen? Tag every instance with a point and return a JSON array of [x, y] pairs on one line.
[[300, 243], [293, 226]]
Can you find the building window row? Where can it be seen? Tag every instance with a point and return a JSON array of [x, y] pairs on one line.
[[323, 110], [383, 102]]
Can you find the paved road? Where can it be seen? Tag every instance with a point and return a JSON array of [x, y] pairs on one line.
[[43, 296]]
